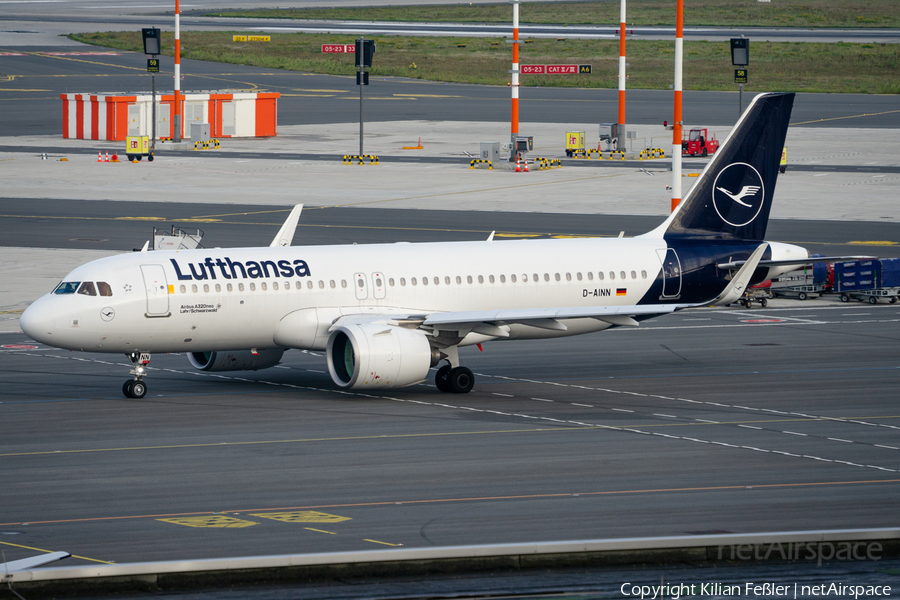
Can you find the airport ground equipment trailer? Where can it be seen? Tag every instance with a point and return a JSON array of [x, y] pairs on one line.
[[811, 281], [760, 293], [868, 280]]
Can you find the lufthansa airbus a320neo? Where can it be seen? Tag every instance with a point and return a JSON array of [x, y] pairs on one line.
[[387, 313]]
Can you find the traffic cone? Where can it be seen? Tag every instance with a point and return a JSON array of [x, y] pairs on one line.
[[526, 165], [518, 166], [107, 156], [99, 156], [115, 157]]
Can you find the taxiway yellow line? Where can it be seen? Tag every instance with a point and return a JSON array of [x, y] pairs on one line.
[[719, 488], [105, 562]]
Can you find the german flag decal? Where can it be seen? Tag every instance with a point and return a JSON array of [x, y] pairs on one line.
[[621, 291]]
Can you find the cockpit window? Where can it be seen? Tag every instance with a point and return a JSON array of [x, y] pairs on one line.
[[66, 287], [104, 288], [87, 288]]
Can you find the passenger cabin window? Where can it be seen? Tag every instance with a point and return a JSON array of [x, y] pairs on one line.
[[227, 287], [253, 287], [643, 274], [87, 289], [622, 274], [104, 289], [206, 287], [240, 287], [633, 275], [468, 279], [612, 274], [600, 276], [274, 285], [261, 285], [184, 289], [590, 275], [481, 279]]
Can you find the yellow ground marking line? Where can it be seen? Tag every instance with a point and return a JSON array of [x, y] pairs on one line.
[[872, 243], [428, 96], [426, 229], [383, 543], [485, 498], [320, 530], [259, 212], [302, 516], [22, 90], [887, 112], [445, 434], [90, 62], [297, 441], [11, 312], [210, 522], [322, 226], [105, 562], [322, 91]]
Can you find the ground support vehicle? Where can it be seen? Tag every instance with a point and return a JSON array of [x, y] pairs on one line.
[[758, 293], [699, 142]]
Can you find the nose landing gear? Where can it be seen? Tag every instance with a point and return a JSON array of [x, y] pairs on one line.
[[136, 388]]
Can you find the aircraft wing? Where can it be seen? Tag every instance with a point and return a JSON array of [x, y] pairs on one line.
[[33, 562], [488, 322]]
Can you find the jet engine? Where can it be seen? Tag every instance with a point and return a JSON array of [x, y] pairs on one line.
[[376, 356], [235, 360]]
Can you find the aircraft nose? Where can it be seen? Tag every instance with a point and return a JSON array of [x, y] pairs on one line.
[[37, 322]]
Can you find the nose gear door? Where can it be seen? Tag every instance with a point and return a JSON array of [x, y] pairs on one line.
[[157, 291]]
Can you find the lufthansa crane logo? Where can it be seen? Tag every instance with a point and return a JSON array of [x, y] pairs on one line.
[[738, 194]]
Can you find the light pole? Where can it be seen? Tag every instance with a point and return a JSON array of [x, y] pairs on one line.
[[152, 46], [740, 57]]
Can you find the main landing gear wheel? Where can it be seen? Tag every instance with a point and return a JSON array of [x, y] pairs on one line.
[[461, 380], [441, 379]]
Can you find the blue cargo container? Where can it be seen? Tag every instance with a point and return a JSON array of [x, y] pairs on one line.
[[868, 280], [857, 275], [890, 272]]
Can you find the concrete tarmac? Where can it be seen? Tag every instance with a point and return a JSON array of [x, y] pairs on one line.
[[211, 176]]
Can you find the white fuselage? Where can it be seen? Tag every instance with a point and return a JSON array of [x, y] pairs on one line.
[[216, 299]]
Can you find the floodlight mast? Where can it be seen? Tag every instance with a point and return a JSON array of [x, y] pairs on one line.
[[621, 130], [676, 121], [514, 117], [177, 120]]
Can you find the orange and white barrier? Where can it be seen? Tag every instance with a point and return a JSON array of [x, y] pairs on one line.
[[113, 117]]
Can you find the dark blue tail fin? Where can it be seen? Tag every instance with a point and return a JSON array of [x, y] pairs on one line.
[[733, 196]]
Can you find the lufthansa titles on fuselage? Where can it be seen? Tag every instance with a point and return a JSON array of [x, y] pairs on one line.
[[248, 269]]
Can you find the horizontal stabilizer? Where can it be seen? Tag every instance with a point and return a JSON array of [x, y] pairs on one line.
[[286, 233]]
